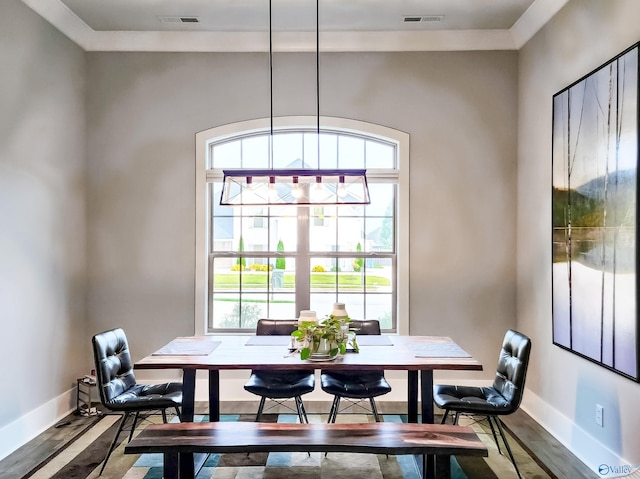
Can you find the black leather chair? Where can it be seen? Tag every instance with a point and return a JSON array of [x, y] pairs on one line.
[[280, 385], [501, 398], [356, 386], [118, 389]]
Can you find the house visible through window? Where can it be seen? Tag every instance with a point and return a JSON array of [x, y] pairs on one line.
[[272, 262]]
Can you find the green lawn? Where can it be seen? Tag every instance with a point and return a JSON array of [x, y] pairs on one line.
[[318, 280]]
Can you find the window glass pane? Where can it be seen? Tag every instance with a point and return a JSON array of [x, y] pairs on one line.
[[322, 303], [311, 151], [350, 152], [328, 151], [380, 307], [226, 155], [238, 311], [351, 277], [254, 234], [287, 150], [224, 309], [379, 235], [380, 155], [378, 275], [350, 234], [282, 306], [354, 304], [255, 276], [381, 199], [283, 233], [322, 229], [255, 152], [226, 274]]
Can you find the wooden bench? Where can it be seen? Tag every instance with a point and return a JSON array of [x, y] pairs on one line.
[[179, 441]]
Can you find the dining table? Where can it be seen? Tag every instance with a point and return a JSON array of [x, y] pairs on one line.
[[420, 356]]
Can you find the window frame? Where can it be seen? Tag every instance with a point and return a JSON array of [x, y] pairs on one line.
[[205, 175]]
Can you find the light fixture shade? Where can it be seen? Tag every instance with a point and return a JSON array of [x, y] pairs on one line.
[[295, 187]]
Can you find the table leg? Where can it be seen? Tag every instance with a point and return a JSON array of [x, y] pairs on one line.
[[186, 461], [426, 395], [188, 394], [426, 401], [412, 398], [214, 395]]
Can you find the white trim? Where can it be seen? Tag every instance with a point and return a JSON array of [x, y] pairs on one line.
[[33, 423], [581, 444], [531, 21], [206, 137], [62, 18]]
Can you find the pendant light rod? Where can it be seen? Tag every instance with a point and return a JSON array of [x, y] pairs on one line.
[[318, 71]]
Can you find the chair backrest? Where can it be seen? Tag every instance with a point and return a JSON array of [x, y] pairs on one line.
[[114, 368], [512, 367], [365, 326], [276, 327]]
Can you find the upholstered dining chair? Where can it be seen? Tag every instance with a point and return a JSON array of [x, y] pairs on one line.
[[352, 385], [118, 389], [503, 397], [280, 385]]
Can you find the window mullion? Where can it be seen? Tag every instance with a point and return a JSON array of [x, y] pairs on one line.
[[303, 273]]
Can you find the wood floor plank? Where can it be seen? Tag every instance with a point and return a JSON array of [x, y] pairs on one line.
[[552, 456]]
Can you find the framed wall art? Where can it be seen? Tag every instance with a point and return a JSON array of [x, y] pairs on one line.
[[594, 209]]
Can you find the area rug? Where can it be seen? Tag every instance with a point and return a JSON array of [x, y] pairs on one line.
[[82, 459]]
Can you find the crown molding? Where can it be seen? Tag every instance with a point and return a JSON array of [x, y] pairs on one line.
[[531, 21], [62, 18]]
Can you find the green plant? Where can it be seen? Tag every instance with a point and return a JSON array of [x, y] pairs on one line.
[[358, 263], [280, 262], [334, 331], [318, 269], [241, 261]]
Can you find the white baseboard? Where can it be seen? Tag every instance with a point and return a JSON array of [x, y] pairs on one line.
[[22, 430], [583, 445]]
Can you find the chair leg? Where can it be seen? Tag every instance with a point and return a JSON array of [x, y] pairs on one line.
[[374, 409], [506, 444], [164, 416], [133, 427], [493, 431], [123, 420], [456, 416], [302, 414], [260, 408], [444, 416], [333, 412], [179, 413]]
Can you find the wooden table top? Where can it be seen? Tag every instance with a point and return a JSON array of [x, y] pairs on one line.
[[408, 353]]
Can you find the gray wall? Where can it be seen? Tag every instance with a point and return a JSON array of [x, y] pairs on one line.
[[42, 214], [564, 388], [460, 109]]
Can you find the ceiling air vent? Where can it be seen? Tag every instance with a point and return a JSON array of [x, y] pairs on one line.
[[177, 19], [423, 18]]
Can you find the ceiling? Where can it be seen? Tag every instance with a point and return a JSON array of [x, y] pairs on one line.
[[345, 25]]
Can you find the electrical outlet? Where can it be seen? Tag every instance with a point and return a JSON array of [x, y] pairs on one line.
[[599, 414]]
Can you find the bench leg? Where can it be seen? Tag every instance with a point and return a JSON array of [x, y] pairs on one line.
[[170, 465], [443, 467]]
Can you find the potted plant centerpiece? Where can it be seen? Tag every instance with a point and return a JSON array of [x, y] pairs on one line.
[[324, 339]]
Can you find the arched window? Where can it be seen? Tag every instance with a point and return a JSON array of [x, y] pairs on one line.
[[273, 262]]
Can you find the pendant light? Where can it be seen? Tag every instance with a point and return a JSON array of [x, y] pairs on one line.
[[296, 187]]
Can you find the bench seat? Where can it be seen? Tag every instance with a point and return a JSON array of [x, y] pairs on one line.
[[177, 439]]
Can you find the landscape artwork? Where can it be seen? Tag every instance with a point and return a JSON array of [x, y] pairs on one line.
[[594, 209]]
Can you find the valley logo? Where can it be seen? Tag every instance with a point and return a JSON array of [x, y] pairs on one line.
[[606, 470]]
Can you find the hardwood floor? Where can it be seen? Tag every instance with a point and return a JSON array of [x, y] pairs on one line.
[[550, 454]]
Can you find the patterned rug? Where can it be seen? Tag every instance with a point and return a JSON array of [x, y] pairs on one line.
[[81, 459]]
